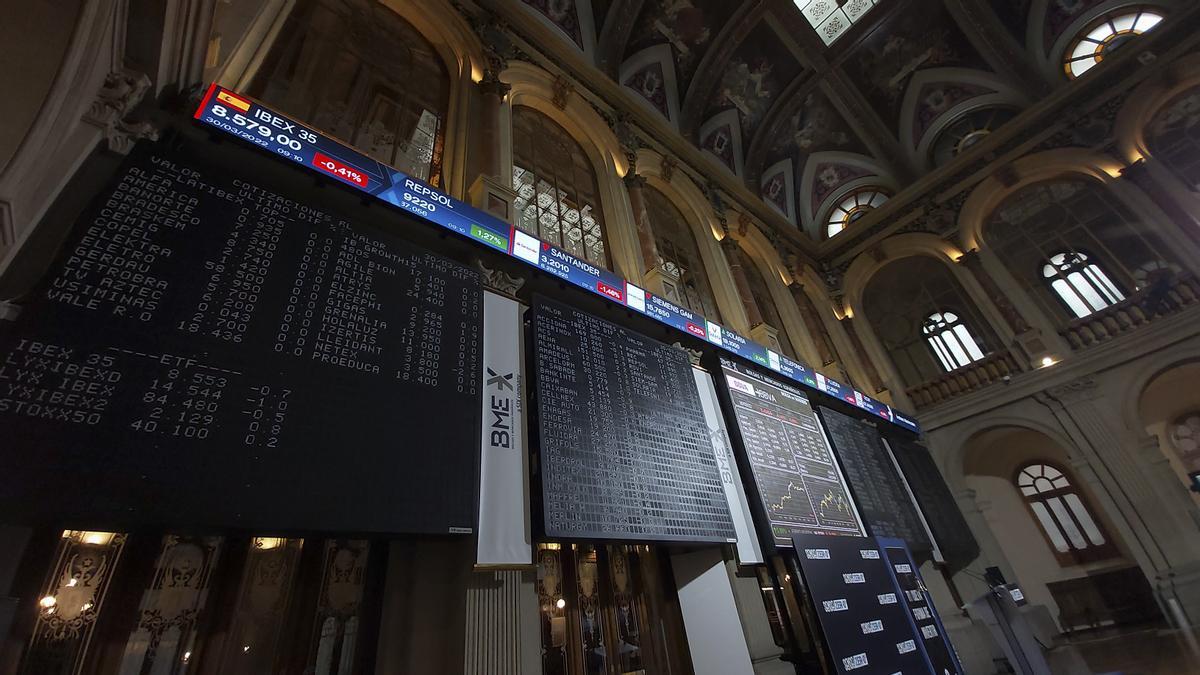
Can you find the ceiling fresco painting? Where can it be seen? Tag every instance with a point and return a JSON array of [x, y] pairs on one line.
[[899, 90]]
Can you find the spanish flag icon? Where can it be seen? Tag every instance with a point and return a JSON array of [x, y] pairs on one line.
[[231, 99]]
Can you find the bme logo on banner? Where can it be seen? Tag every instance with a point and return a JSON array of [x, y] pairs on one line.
[[501, 408]]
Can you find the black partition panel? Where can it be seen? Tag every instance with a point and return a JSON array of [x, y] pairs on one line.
[[799, 486], [883, 501], [625, 450], [858, 605], [950, 529], [211, 348], [927, 624]]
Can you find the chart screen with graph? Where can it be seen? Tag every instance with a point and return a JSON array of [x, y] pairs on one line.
[[801, 488]]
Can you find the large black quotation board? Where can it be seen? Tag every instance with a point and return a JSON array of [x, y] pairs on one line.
[[954, 538], [208, 349], [879, 491], [800, 487], [625, 450], [858, 605]]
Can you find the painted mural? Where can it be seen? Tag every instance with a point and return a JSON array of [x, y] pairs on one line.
[[924, 37]]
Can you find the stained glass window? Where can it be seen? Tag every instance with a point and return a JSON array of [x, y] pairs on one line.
[[1105, 35], [852, 207], [558, 197]]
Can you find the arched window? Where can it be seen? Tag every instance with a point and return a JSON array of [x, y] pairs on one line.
[[680, 255], [1081, 284], [854, 206], [558, 197], [1105, 35], [915, 306], [358, 71], [951, 340], [1052, 231], [968, 130], [1076, 536]]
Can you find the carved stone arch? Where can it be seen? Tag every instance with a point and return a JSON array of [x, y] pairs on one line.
[[714, 62], [1147, 100], [447, 30], [864, 171], [894, 248], [458, 45], [1035, 168], [954, 462], [863, 269], [534, 87], [650, 76], [697, 212], [1139, 380], [921, 121]]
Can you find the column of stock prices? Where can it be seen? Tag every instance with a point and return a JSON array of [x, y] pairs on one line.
[[625, 451], [879, 491], [211, 350], [800, 487]]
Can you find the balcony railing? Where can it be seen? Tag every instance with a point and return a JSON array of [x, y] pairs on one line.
[[994, 367], [1137, 310]]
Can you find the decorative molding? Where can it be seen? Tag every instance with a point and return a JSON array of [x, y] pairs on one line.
[[122, 92], [563, 89], [500, 281]]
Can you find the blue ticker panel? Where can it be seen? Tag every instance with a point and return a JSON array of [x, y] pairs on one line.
[[248, 120]]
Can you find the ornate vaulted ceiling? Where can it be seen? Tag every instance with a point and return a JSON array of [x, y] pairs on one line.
[[903, 86]]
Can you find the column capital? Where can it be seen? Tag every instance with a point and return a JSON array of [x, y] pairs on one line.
[[491, 85], [634, 181]]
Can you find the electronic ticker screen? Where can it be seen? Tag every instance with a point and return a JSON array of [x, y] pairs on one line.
[[625, 451], [879, 491], [800, 486], [211, 348]]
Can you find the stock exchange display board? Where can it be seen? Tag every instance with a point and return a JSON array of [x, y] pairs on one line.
[[625, 450], [209, 349], [946, 521], [879, 491], [801, 488]]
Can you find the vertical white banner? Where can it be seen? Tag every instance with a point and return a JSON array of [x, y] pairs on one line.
[[505, 539], [748, 550]]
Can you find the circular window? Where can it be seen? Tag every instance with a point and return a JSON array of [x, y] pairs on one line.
[[967, 131], [1109, 32], [854, 206]]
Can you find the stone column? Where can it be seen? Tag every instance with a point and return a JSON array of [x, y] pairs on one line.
[[868, 364], [733, 255], [635, 186], [1012, 317], [1150, 511], [492, 92], [812, 322]]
